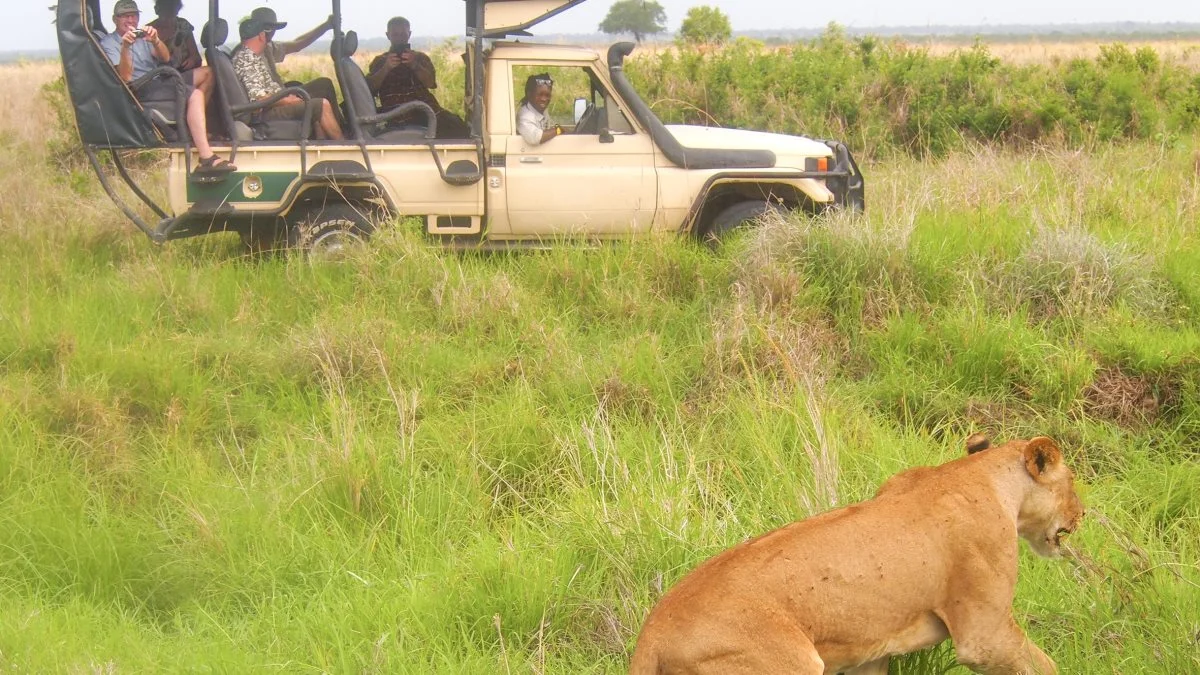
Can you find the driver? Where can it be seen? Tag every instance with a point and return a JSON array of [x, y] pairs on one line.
[[532, 121]]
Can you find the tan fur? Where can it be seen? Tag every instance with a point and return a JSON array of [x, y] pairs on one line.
[[932, 555]]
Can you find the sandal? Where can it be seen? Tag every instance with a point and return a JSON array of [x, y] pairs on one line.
[[214, 164]]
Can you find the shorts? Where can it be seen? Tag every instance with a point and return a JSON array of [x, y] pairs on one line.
[[293, 111]]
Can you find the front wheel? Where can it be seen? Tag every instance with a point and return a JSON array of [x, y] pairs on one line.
[[331, 231], [735, 216]]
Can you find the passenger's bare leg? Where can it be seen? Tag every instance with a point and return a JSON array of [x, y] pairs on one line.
[[329, 127], [202, 80], [198, 124]]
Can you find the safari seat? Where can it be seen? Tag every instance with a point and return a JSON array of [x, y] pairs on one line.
[[243, 116], [366, 124], [164, 114]]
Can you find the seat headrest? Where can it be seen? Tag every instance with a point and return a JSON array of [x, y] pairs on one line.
[[349, 45], [214, 34]]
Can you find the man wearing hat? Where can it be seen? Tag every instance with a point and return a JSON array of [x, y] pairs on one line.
[[264, 20], [136, 51], [253, 66]]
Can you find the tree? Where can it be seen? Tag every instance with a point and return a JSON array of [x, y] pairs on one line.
[[640, 17], [705, 25]]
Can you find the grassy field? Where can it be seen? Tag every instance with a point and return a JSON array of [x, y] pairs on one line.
[[417, 461]]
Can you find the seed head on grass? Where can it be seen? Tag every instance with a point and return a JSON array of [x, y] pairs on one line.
[[859, 269], [1072, 272]]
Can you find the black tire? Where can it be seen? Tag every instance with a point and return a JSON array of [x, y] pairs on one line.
[[329, 231], [736, 215]]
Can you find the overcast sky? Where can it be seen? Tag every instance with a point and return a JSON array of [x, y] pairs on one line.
[[30, 28]]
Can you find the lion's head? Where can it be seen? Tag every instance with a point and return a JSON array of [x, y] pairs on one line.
[[1051, 509]]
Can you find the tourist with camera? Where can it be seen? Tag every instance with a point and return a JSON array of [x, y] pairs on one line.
[[135, 51], [403, 74]]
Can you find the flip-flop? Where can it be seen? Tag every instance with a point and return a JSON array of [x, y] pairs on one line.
[[215, 164]]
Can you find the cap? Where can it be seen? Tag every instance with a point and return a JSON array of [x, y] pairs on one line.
[[124, 7]]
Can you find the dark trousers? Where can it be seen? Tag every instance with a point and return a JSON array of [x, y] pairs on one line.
[[450, 125], [322, 87]]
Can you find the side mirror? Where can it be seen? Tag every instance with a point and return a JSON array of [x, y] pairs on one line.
[[580, 108]]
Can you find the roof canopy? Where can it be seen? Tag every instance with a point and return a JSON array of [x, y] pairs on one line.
[[502, 18]]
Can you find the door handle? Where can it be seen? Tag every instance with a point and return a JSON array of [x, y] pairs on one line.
[[531, 160]]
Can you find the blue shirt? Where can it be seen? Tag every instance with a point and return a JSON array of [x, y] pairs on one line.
[[141, 52]]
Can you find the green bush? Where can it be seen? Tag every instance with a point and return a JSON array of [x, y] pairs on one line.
[[885, 96]]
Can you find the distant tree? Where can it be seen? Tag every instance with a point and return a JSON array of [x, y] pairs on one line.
[[705, 25], [640, 17]]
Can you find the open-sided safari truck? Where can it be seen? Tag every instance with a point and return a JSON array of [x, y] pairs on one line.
[[616, 170]]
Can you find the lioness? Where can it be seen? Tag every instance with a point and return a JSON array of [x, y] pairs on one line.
[[932, 555]]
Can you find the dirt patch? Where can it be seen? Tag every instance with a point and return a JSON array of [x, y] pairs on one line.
[[625, 398], [1130, 400]]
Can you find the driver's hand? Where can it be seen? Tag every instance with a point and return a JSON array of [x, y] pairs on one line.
[[290, 100], [128, 38], [393, 59], [151, 33], [408, 57]]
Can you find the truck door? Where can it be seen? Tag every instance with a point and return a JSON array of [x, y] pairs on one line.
[[589, 181]]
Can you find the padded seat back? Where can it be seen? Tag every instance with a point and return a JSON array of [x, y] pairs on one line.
[[355, 89]]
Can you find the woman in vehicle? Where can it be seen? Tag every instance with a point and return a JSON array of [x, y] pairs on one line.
[[178, 34], [532, 121]]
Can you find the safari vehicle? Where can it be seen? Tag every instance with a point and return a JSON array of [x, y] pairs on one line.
[[617, 170]]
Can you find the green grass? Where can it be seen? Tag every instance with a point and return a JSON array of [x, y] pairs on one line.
[[420, 461]]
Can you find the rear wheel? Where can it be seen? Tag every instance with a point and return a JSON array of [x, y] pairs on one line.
[[330, 231], [735, 216]]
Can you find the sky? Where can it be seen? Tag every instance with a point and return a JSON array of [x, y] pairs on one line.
[[444, 18]]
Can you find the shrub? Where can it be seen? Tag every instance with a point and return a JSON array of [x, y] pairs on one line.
[[705, 25], [884, 96]]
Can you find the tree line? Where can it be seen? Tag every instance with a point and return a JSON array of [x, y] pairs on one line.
[[702, 25]]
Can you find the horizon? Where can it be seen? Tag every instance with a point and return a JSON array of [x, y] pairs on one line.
[[444, 21], [1083, 30]]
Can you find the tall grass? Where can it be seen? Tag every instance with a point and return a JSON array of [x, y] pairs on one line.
[[417, 461]]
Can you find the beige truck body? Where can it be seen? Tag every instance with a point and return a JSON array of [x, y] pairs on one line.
[[574, 186]]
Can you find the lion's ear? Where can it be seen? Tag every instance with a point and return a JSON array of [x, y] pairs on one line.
[[1041, 454], [977, 443]]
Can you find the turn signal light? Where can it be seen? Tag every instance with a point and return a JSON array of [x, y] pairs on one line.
[[816, 164]]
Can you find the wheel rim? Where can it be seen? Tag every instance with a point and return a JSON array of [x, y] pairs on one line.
[[334, 243]]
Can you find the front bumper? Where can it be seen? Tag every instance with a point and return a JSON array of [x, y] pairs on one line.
[[845, 181]]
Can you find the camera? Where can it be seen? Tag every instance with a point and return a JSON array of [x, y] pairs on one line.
[[401, 48], [139, 33]]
